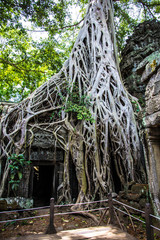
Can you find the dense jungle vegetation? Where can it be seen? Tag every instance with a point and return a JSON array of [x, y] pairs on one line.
[[36, 37]]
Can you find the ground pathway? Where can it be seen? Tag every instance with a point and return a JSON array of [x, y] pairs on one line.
[[93, 233]]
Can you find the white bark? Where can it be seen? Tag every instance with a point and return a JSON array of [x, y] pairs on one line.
[[92, 67]]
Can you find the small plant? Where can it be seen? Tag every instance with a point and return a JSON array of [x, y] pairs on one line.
[[141, 219], [24, 222], [52, 115], [77, 104], [141, 102], [136, 105], [16, 169], [7, 224]]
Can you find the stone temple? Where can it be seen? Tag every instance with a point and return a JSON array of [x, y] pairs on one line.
[[140, 67]]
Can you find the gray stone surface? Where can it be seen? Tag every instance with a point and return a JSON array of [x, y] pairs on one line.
[[144, 41], [15, 203]]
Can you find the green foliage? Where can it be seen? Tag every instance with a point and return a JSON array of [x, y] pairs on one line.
[[141, 102], [78, 104], [128, 13], [136, 105], [16, 169], [45, 13], [26, 63], [124, 23], [141, 219], [7, 224], [82, 113]]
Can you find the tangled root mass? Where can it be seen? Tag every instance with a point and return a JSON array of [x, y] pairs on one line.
[[95, 147]]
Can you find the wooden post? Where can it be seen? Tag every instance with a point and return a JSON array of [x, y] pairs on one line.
[[51, 229], [111, 210], [149, 229]]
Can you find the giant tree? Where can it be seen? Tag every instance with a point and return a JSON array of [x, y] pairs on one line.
[[25, 64], [86, 108]]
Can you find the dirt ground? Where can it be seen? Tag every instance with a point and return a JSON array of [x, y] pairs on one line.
[[63, 222], [109, 232]]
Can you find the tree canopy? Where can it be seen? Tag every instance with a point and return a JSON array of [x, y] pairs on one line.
[[36, 37]]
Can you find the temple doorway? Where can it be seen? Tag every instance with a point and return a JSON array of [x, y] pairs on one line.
[[43, 184]]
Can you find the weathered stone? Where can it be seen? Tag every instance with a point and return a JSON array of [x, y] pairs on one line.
[[148, 66], [142, 202], [152, 120], [133, 196], [140, 189], [135, 205], [152, 94], [114, 195], [144, 41], [15, 203], [140, 68], [122, 194], [45, 140], [24, 183], [3, 204]]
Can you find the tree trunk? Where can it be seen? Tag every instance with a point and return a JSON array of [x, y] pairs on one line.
[[92, 67]]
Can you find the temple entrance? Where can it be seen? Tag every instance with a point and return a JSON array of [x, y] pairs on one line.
[[43, 184]]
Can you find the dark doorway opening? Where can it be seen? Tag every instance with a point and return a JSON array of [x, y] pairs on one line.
[[114, 174], [42, 184], [73, 180], [116, 179]]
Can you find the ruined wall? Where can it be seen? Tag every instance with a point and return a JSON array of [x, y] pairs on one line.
[[44, 151], [149, 71], [140, 68], [144, 41]]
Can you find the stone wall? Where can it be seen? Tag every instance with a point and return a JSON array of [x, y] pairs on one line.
[[140, 67], [149, 70], [44, 151], [144, 41]]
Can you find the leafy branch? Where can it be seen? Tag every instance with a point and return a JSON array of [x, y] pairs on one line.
[[20, 69], [76, 104], [57, 29], [16, 169]]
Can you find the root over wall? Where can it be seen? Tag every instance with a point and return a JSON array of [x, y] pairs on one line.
[[95, 147]]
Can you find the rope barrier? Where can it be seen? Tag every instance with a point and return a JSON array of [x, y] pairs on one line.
[[138, 219], [77, 204], [128, 206], [22, 210], [155, 227], [45, 207], [91, 210], [21, 219], [129, 215], [155, 217], [56, 214]]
